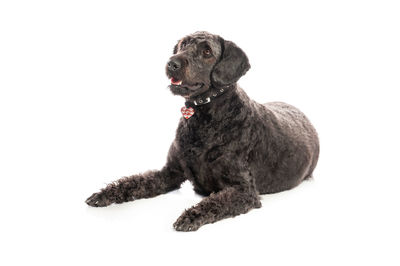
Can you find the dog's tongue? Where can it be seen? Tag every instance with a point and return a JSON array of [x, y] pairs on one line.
[[175, 81]]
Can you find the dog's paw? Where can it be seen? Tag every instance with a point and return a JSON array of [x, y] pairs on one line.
[[98, 200], [188, 222]]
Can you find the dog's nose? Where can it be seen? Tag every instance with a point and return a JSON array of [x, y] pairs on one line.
[[174, 64]]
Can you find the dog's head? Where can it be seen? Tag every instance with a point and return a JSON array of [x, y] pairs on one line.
[[203, 60]]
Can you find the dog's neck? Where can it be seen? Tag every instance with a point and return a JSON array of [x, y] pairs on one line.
[[231, 105], [209, 96]]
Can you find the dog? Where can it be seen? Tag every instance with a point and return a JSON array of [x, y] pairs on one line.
[[231, 148]]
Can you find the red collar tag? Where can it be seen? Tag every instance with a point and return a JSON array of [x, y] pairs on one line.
[[187, 112]]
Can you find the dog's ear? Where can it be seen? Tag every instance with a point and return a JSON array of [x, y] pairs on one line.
[[176, 48], [232, 65]]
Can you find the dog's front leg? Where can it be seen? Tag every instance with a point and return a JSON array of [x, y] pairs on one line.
[[146, 185], [228, 202]]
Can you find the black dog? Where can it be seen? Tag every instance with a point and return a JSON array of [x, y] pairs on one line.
[[231, 148]]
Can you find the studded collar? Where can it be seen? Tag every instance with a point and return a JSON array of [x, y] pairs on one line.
[[208, 96]]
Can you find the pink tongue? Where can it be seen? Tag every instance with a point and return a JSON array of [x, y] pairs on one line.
[[174, 81]]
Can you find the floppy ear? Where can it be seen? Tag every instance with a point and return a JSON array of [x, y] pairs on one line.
[[232, 65]]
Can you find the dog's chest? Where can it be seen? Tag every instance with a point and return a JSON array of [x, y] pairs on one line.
[[198, 143], [201, 149]]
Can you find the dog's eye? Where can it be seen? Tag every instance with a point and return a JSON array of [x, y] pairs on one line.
[[207, 52], [183, 44]]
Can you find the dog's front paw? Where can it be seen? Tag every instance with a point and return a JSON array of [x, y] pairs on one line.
[[98, 200], [190, 220]]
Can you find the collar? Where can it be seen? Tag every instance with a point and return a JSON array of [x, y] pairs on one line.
[[208, 96]]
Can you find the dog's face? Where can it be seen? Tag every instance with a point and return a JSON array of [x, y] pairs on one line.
[[203, 60]]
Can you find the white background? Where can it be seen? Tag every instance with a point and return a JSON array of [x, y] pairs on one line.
[[84, 101]]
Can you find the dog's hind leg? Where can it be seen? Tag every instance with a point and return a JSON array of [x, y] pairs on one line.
[[146, 185], [228, 202]]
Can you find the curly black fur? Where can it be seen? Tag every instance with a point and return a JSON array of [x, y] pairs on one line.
[[232, 149]]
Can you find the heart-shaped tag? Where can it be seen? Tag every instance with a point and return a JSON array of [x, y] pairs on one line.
[[187, 112]]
